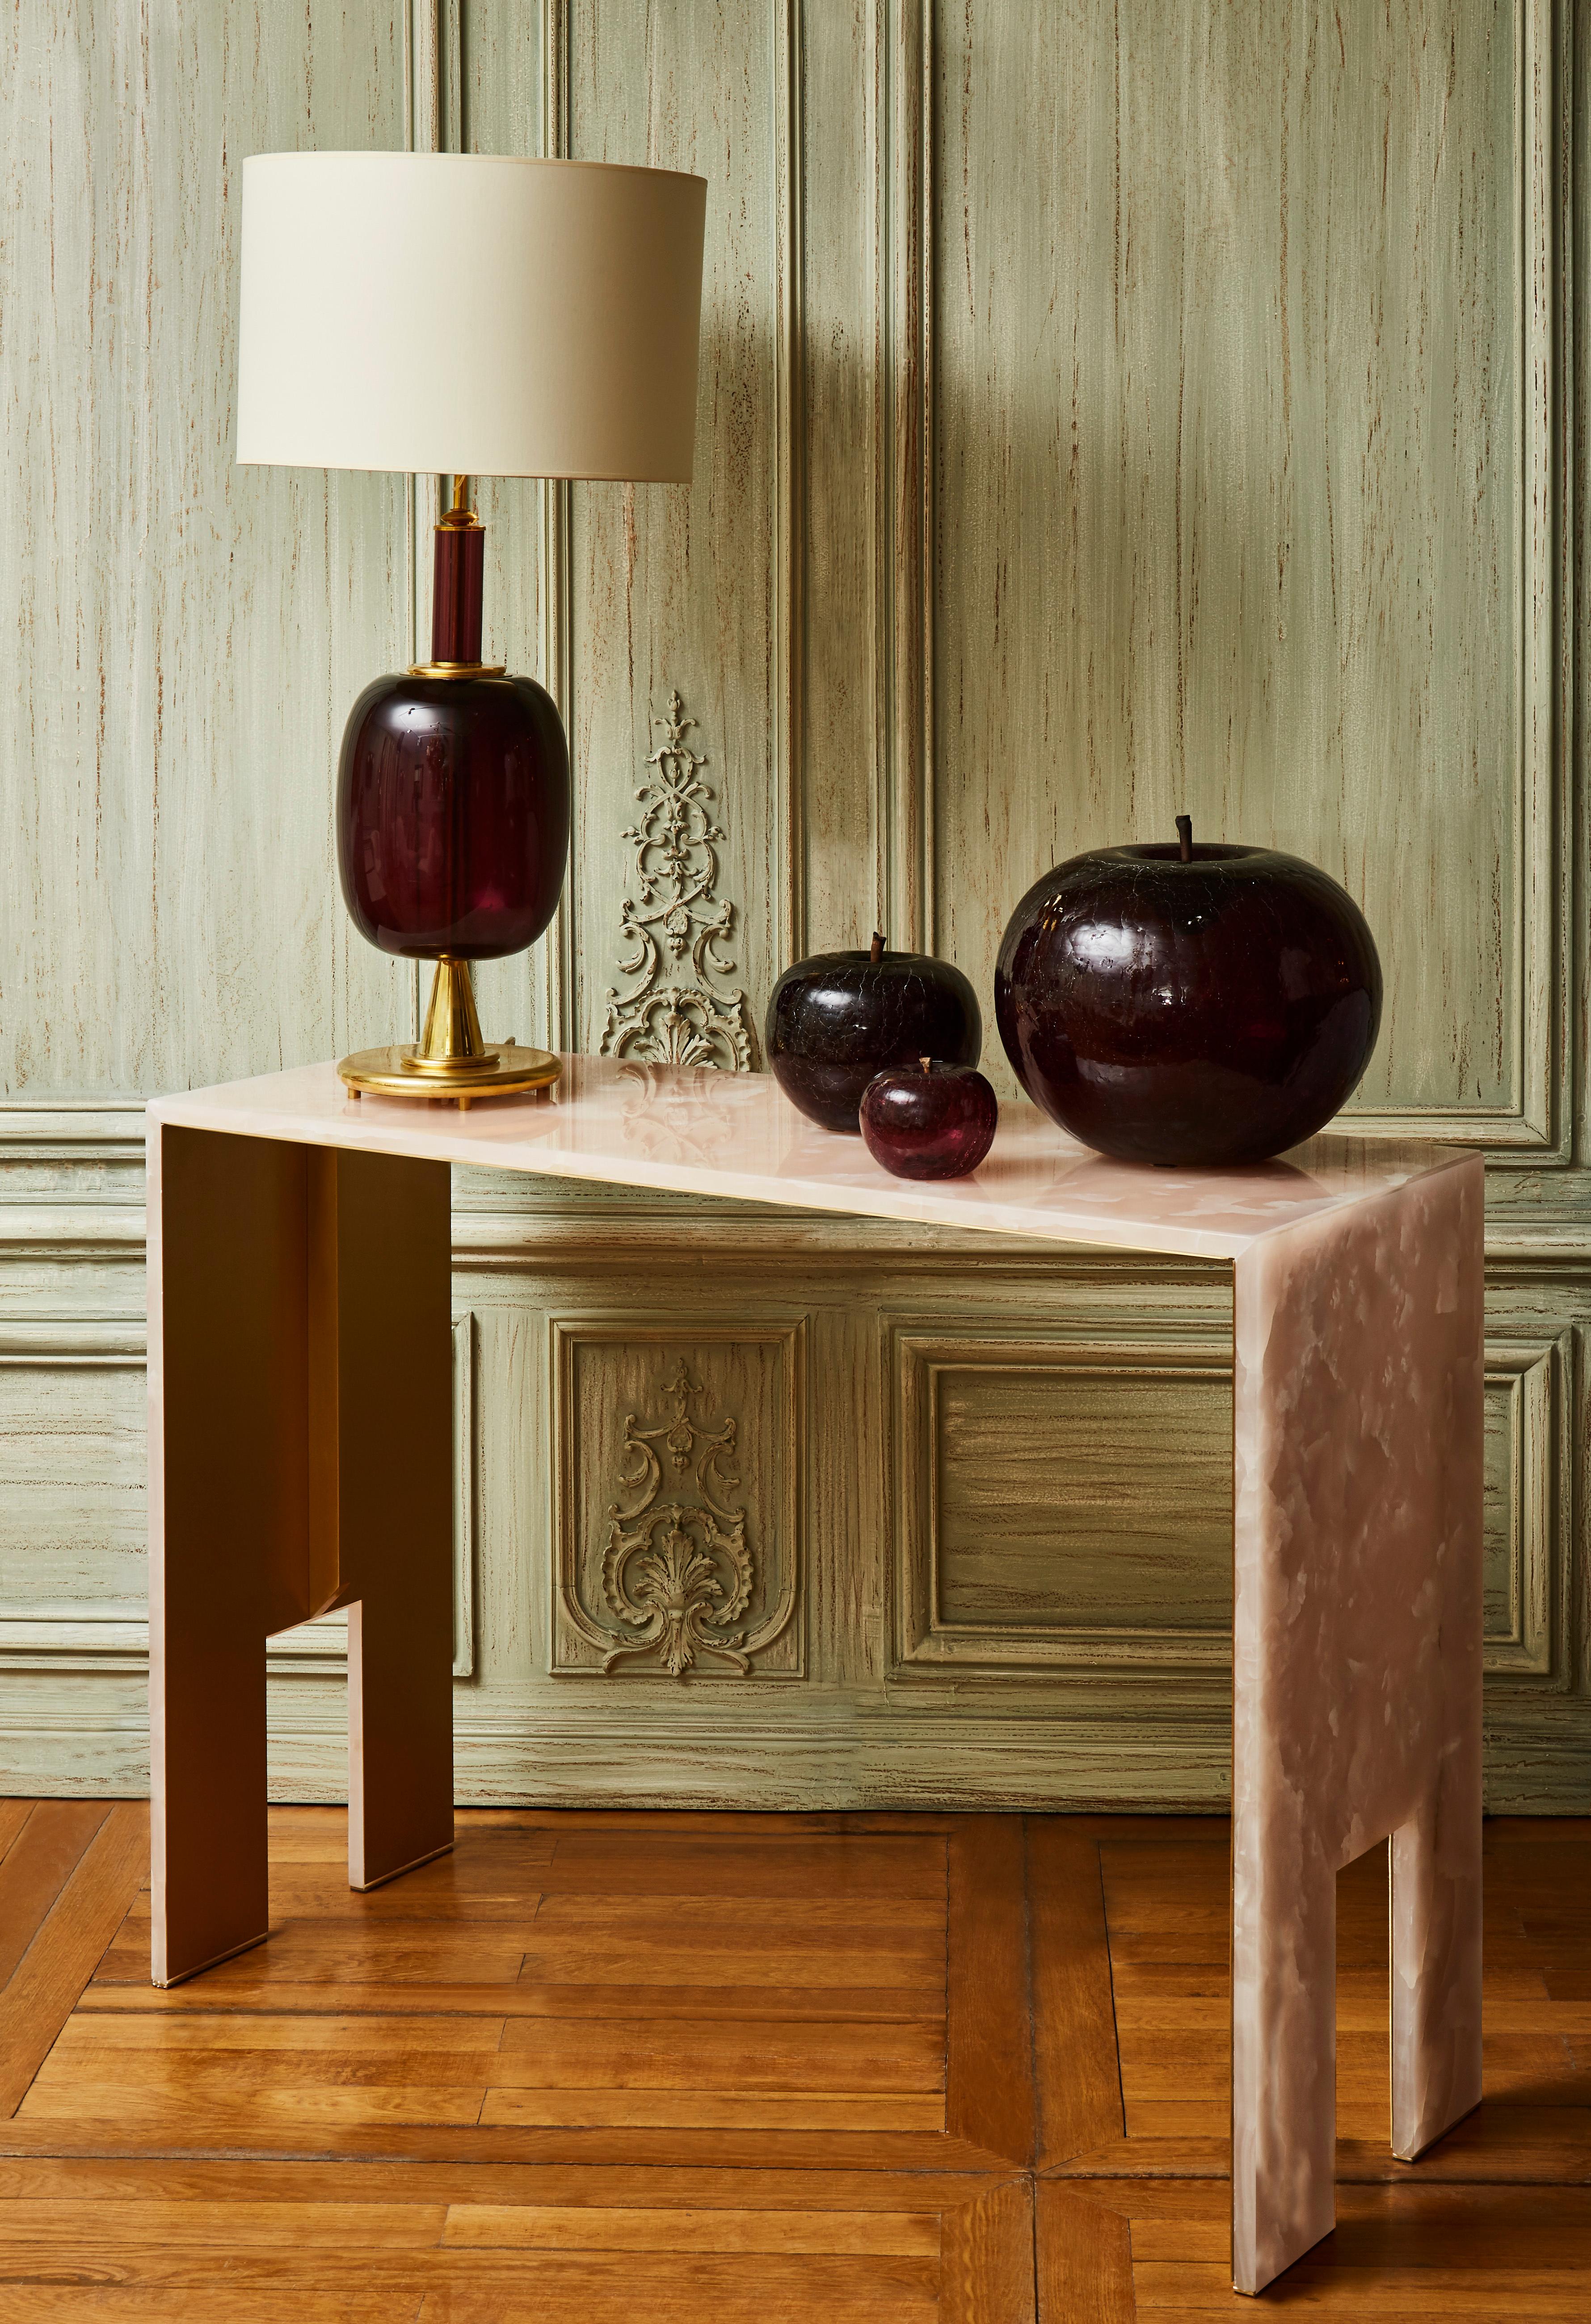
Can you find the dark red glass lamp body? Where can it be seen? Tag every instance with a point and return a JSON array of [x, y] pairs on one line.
[[452, 792]]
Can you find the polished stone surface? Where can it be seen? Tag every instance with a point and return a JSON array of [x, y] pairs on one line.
[[737, 1135], [1356, 1677]]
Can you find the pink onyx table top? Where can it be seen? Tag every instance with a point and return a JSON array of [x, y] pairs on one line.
[[684, 1131]]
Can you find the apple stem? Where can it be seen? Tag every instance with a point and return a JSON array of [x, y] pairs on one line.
[[927, 1063], [877, 954], [1185, 836]]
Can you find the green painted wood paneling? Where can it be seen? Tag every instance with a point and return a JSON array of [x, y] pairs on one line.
[[1102, 410]]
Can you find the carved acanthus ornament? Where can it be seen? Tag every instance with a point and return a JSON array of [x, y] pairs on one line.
[[675, 1013], [678, 1572]]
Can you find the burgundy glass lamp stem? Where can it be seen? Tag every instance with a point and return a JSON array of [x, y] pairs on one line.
[[456, 595], [452, 1030]]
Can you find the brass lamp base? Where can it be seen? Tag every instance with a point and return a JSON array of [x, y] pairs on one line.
[[450, 1063]]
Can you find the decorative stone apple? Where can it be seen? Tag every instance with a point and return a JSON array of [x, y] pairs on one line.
[[837, 1019], [929, 1122], [1185, 1004]]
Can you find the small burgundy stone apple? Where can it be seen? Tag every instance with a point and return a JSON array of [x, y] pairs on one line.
[[928, 1121], [837, 1019], [1189, 1006]]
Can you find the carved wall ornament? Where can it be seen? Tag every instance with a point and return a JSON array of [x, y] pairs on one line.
[[678, 1513], [676, 1012], [679, 1572]]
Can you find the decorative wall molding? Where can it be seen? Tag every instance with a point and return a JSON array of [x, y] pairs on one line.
[[847, 313], [674, 1014], [678, 1573], [1529, 1506], [903, 459], [557, 594], [1534, 1127], [787, 916], [926, 1638], [1528, 1409], [678, 1535]]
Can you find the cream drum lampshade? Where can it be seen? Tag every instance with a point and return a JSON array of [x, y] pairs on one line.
[[461, 314]]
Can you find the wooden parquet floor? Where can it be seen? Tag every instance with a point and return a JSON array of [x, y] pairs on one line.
[[683, 2067]]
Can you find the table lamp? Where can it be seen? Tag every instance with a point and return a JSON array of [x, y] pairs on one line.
[[464, 316]]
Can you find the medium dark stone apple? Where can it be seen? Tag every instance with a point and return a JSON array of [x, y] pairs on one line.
[[837, 1019], [929, 1122], [1187, 1004]]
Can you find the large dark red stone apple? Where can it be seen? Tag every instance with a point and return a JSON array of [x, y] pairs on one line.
[[837, 1019], [1187, 1005], [929, 1122]]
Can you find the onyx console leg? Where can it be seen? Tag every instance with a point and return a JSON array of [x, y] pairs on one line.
[[1435, 1956], [299, 1459], [228, 1539], [381, 1470], [1355, 1676]]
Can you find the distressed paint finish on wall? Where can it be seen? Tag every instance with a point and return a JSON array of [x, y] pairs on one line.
[[185, 636], [1231, 509], [664, 594], [1103, 408]]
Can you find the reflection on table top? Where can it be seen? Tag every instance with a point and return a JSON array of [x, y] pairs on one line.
[[684, 1131]]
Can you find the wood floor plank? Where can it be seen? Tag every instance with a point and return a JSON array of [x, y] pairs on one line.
[[299, 1892], [581, 2145], [989, 2083], [1084, 2256], [301, 2112], [98, 2031], [353, 1949], [986, 2257], [873, 1959], [646, 1865], [295, 2181], [228, 2073], [752, 1917], [312, 1952], [527, 2226], [739, 1823], [859, 2003], [40, 2302], [43, 1852], [161, 2222], [703, 2053], [14, 1814], [741, 2110], [478, 1859], [1080, 2100], [56, 1965], [523, 2284]]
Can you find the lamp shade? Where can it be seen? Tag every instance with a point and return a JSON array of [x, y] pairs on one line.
[[446, 313]]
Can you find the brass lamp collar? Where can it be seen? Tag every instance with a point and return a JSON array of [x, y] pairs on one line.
[[458, 669]]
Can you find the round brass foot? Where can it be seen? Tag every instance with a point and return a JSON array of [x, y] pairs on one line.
[[389, 1072]]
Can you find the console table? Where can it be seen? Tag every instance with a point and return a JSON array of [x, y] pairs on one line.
[[300, 1455]]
